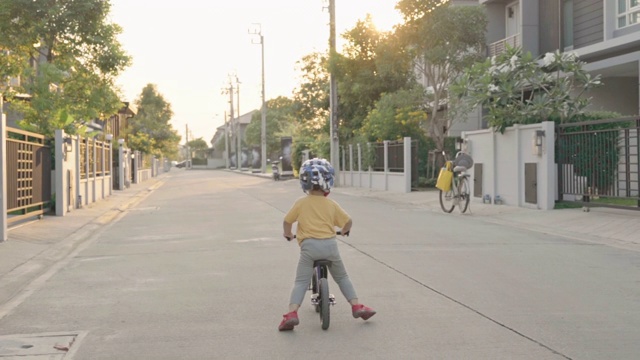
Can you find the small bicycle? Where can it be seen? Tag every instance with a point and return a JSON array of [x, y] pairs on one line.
[[458, 192], [321, 299]]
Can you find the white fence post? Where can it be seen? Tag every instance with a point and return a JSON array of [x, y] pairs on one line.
[[359, 165], [386, 165], [77, 152], [369, 169], [351, 164], [407, 164], [343, 168]]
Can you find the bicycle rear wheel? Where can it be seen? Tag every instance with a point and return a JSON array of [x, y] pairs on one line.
[[465, 194], [446, 200], [324, 303]]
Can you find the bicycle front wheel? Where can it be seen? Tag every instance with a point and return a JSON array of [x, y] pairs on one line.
[[464, 194], [314, 289], [446, 200], [324, 303]]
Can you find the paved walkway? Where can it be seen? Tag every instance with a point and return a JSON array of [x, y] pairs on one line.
[[34, 246]]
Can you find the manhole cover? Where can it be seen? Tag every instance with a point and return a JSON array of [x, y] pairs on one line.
[[53, 346]]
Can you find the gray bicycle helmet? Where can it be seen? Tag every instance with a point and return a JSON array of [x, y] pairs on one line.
[[316, 172]]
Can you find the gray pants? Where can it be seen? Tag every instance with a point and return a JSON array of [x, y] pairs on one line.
[[311, 250]]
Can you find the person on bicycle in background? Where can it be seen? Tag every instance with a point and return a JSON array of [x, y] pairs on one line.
[[317, 216]]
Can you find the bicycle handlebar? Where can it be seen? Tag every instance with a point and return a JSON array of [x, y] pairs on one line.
[[337, 233]]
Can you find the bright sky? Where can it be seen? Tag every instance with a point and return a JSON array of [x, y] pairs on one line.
[[188, 48]]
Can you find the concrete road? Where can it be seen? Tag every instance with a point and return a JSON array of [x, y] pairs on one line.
[[198, 269]]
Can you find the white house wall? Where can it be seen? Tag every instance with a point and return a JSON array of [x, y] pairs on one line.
[[503, 158]]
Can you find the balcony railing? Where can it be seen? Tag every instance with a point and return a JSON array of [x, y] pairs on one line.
[[499, 47]]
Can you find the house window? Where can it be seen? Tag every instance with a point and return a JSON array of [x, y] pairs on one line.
[[567, 24], [628, 12]]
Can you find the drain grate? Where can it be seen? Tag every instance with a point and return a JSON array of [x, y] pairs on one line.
[[50, 346]]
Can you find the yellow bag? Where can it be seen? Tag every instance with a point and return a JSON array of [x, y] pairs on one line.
[[445, 177]]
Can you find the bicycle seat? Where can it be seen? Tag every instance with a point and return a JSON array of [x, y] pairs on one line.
[[459, 169], [321, 263]]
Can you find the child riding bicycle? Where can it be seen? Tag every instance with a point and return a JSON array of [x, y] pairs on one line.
[[317, 216]]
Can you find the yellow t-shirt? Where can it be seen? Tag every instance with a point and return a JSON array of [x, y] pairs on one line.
[[317, 217]]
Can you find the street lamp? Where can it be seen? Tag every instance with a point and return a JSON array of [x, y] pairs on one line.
[[257, 30]]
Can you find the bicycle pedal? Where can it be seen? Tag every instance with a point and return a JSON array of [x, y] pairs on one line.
[[332, 299]]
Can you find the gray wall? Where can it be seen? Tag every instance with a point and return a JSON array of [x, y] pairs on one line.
[[550, 32], [588, 22], [619, 94]]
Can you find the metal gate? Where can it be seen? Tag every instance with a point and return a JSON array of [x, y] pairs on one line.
[[28, 175], [598, 162]]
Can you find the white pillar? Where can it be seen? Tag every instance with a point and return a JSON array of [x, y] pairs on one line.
[[94, 177], [4, 230], [110, 157], [62, 196], [135, 155], [122, 161], [547, 175]]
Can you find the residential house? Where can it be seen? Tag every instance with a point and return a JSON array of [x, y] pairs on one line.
[[604, 33], [237, 125], [118, 123]]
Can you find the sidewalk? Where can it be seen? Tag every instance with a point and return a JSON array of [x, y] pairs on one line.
[[615, 227], [34, 246]]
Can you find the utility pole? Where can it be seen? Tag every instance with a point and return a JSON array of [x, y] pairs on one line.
[[239, 137], [226, 140], [333, 97], [187, 144], [235, 125], [257, 30]]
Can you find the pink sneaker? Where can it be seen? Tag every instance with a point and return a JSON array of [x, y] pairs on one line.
[[361, 311], [289, 321]]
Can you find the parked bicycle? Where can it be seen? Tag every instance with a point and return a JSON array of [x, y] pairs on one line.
[[321, 299], [453, 183]]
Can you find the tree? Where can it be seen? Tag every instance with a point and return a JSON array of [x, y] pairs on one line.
[[395, 116], [73, 47], [515, 88], [198, 144], [372, 64], [153, 120], [311, 97], [280, 114], [441, 49], [199, 147]]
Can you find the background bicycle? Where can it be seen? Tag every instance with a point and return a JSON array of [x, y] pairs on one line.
[[453, 183]]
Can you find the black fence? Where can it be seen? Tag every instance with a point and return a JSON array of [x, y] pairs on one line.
[[598, 162]]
